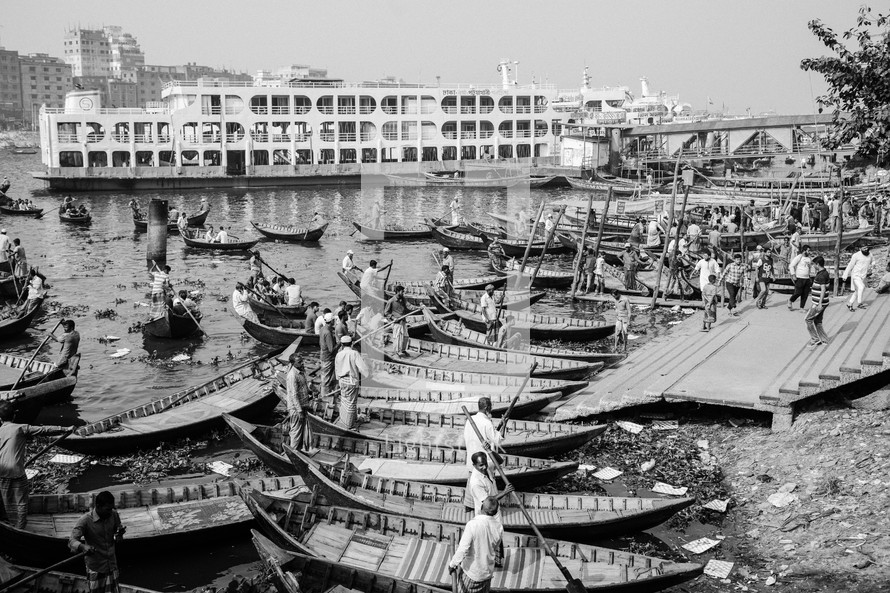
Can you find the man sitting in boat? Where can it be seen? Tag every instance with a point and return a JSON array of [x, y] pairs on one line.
[[183, 305], [137, 213], [210, 234], [222, 236]]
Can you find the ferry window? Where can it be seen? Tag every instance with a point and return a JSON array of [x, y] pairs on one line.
[[234, 104], [367, 105], [281, 157], [449, 153], [486, 130], [303, 156], [369, 155], [189, 158], [144, 158], [390, 105], [327, 156], [97, 159], [71, 158], [468, 152], [302, 104], [409, 154], [523, 151], [260, 157], [120, 158], [430, 153], [347, 155], [486, 151], [166, 158], [505, 152]]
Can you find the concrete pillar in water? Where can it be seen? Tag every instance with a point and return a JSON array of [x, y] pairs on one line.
[[157, 231]]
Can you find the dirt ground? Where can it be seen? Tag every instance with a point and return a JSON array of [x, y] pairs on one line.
[[808, 508]]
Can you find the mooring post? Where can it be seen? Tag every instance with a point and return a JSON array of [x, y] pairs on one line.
[[157, 232]]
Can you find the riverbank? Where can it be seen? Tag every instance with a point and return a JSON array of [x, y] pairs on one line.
[[19, 138]]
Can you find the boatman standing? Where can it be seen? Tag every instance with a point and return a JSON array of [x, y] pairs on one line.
[[480, 485], [4, 246], [369, 282], [350, 368], [490, 314], [298, 399], [455, 211], [241, 303], [348, 264], [477, 553], [482, 419], [448, 260], [395, 311], [96, 533], [328, 354], [13, 481], [70, 340]]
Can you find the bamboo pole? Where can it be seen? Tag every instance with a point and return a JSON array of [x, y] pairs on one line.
[[528, 247], [582, 247], [680, 222], [599, 232], [838, 289], [547, 240], [667, 235]]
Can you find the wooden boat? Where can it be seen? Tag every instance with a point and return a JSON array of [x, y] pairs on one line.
[[516, 247], [408, 548], [547, 277], [513, 299], [11, 367], [826, 241], [600, 186], [522, 437], [76, 219], [440, 179], [282, 334], [16, 326], [198, 219], [574, 516], [445, 235], [52, 582], [537, 327], [297, 573], [456, 333], [375, 301], [243, 391], [155, 518], [404, 376], [261, 307], [172, 326], [478, 360], [478, 283], [20, 212], [10, 287], [393, 232], [23, 150], [54, 385], [193, 239], [291, 234], [439, 465], [539, 181]]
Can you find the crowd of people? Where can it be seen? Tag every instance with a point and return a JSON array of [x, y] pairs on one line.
[[26, 205]]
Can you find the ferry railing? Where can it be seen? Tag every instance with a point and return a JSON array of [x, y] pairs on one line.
[[368, 137], [409, 136], [190, 138], [506, 109], [209, 138], [347, 136], [366, 109], [94, 137], [449, 135], [467, 135], [68, 138], [280, 137], [326, 109], [449, 109], [326, 136], [523, 133], [390, 135], [506, 133], [163, 138], [345, 110], [485, 134], [259, 109], [540, 108], [236, 137], [389, 109], [302, 137], [142, 138], [259, 136], [427, 110], [302, 109], [233, 110], [409, 111], [539, 133], [523, 109], [465, 109], [212, 110], [280, 110]]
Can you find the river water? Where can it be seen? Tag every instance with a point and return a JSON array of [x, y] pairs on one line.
[[102, 267]]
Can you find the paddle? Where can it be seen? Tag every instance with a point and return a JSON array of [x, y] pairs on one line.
[[193, 319], [573, 585], [42, 214], [388, 272], [265, 298], [37, 455], [36, 352], [18, 581], [274, 271], [502, 427]]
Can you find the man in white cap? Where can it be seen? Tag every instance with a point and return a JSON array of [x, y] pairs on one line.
[[548, 224], [448, 260], [4, 247], [489, 313], [455, 211], [348, 264], [370, 280], [327, 353], [350, 367]]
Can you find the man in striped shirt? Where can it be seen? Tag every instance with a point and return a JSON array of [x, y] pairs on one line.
[[818, 303], [732, 276]]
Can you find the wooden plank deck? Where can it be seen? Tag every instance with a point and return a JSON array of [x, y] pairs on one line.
[[758, 360]]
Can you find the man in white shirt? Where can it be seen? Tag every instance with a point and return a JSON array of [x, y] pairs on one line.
[[800, 268], [348, 264], [857, 270], [5, 244], [480, 485], [326, 317], [477, 553], [369, 282], [448, 260], [482, 420], [548, 224], [455, 211], [706, 267], [489, 313], [222, 236], [294, 293], [241, 303]]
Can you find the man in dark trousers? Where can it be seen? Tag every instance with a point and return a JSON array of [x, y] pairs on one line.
[[328, 353]]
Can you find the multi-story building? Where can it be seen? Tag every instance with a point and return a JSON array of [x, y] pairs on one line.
[[126, 55], [10, 88], [44, 81], [88, 51], [151, 79]]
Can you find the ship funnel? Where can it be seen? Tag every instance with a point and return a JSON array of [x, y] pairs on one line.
[[89, 101], [504, 69], [644, 83]]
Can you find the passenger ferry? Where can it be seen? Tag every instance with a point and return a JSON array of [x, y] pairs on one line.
[[212, 133]]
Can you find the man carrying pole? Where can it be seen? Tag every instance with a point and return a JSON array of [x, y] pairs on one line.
[[477, 554]]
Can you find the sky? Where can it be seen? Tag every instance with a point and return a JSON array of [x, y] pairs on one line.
[[742, 54]]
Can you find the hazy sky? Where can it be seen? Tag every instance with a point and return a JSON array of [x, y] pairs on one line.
[[744, 53]]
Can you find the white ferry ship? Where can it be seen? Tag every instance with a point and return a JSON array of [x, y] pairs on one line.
[[211, 133]]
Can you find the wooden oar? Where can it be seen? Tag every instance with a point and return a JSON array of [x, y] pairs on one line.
[[193, 319], [37, 455], [386, 280], [265, 298], [502, 427], [42, 214], [386, 325], [19, 580], [274, 271], [36, 352], [573, 585]]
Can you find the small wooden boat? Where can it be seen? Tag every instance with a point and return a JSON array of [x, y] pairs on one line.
[[516, 247], [522, 437], [478, 360], [515, 300], [51, 582], [200, 218], [599, 186], [155, 518], [244, 391], [456, 333], [537, 327], [826, 241], [172, 326], [547, 277], [297, 573], [233, 243], [459, 283], [261, 307], [393, 232], [445, 235], [76, 218], [11, 367], [20, 212], [404, 376], [400, 461], [10, 287], [289, 233], [572, 516], [141, 224], [539, 181], [448, 179], [16, 326], [282, 334], [373, 300], [55, 385], [23, 150]]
